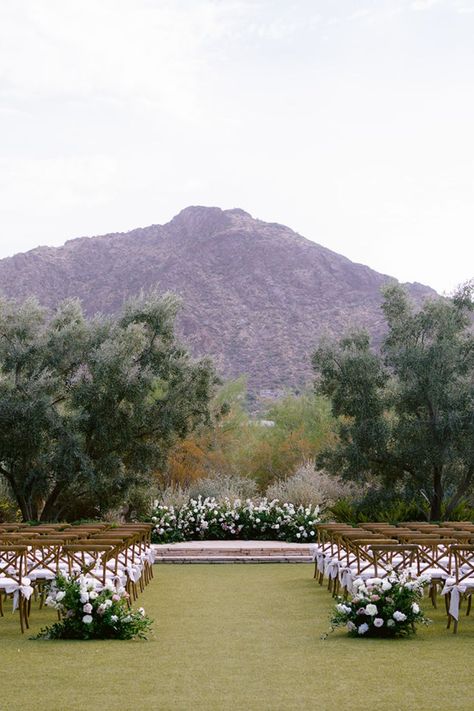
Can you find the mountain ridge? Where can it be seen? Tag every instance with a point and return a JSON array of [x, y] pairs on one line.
[[257, 296]]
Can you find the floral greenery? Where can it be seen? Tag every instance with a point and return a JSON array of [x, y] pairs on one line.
[[88, 612], [250, 519], [387, 607]]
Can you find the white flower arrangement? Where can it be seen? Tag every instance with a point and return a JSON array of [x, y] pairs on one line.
[[88, 610], [386, 607], [226, 519]]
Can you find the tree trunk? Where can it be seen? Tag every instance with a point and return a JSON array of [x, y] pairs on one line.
[[50, 512], [437, 499], [29, 511]]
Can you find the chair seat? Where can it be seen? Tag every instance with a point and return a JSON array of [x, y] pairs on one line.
[[41, 574]]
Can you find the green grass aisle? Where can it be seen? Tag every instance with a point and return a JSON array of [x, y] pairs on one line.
[[239, 638]]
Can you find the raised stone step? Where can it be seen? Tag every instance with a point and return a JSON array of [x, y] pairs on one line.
[[232, 552], [234, 559]]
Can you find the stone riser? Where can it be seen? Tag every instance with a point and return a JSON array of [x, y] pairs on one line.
[[230, 553], [232, 559]]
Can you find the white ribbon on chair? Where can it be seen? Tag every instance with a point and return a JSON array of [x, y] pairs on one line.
[[24, 589], [134, 572], [332, 569], [456, 590]]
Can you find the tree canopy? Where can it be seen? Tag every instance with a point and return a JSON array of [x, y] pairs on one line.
[[406, 413], [90, 408]]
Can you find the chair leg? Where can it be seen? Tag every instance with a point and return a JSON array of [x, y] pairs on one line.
[[20, 611]]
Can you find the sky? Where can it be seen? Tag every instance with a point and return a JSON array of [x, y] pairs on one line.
[[349, 121]]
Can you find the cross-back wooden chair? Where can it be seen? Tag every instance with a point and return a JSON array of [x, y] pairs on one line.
[[360, 561], [90, 559], [14, 581], [326, 546], [393, 557], [462, 585], [435, 561]]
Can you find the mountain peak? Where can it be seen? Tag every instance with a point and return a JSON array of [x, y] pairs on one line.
[[198, 219]]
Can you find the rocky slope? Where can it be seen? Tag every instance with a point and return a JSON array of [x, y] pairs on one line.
[[257, 296]]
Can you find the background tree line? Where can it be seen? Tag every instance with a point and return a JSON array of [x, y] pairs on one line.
[[103, 414]]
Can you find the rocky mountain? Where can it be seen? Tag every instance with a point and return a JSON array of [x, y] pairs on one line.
[[257, 296]]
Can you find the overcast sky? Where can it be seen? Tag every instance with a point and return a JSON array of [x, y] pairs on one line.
[[351, 122]]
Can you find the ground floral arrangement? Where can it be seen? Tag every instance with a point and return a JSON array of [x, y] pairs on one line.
[[388, 607], [250, 519], [87, 612]]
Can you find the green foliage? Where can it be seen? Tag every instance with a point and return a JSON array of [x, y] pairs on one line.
[[89, 409], [406, 415], [234, 444], [386, 508]]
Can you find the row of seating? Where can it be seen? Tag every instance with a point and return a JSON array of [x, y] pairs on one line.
[[32, 556], [444, 553]]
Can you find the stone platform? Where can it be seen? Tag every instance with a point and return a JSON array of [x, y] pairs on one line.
[[232, 552]]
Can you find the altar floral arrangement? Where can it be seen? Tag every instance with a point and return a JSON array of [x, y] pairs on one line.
[[90, 611], [383, 607], [207, 518]]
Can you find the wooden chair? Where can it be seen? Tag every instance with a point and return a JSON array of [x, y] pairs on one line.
[[14, 581], [393, 557], [462, 586]]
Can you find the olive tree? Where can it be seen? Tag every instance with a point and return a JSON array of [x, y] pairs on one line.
[[407, 412], [89, 408]]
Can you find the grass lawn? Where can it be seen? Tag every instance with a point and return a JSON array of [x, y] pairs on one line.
[[239, 638]]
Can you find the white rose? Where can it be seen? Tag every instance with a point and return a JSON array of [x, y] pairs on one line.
[[351, 626], [415, 608], [390, 623], [378, 622], [87, 619], [60, 596], [93, 595], [363, 628], [113, 618], [386, 586], [87, 608], [399, 616], [345, 609], [371, 610], [84, 597]]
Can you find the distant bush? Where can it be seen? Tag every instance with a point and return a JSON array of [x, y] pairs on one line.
[[308, 487], [224, 487], [9, 513]]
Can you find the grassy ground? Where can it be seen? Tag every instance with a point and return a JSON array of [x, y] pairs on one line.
[[239, 638]]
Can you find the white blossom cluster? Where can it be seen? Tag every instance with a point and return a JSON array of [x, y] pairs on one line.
[[89, 591], [229, 519], [378, 604]]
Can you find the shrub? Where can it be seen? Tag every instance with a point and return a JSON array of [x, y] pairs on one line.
[[223, 487], [308, 487]]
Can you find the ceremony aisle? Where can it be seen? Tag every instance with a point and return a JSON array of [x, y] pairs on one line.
[[237, 637]]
